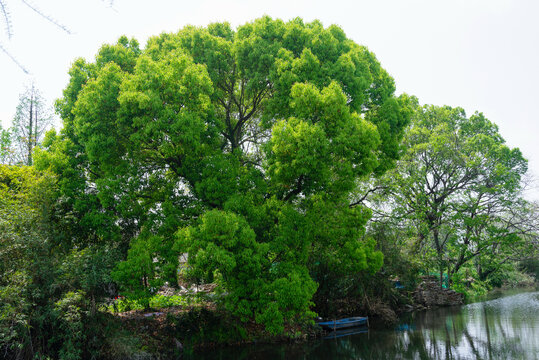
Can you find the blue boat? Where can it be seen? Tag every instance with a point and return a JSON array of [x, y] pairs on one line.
[[344, 323]]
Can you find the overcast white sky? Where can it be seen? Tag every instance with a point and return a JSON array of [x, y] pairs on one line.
[[478, 54]]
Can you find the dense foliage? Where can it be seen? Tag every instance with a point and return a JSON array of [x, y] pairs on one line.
[[260, 155], [249, 141], [458, 190], [48, 294]]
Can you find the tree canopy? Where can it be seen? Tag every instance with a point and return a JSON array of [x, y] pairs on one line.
[[459, 185], [241, 147]]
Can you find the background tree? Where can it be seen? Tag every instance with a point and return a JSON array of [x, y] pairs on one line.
[[459, 185], [32, 118]]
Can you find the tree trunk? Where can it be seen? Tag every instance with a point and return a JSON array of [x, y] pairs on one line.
[[30, 129], [440, 255]]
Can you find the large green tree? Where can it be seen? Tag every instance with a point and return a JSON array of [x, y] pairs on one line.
[[459, 185], [250, 141]]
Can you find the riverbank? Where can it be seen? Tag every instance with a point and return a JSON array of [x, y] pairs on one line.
[[171, 332], [504, 328], [167, 333]]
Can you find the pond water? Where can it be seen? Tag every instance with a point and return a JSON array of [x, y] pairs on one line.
[[502, 328]]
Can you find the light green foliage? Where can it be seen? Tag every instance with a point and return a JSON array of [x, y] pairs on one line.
[[467, 282], [25, 200], [150, 262], [250, 141], [223, 249], [156, 301], [325, 147], [163, 301]]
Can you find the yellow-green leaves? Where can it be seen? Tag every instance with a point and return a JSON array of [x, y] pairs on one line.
[[165, 104], [324, 148], [299, 158], [95, 116], [124, 54]]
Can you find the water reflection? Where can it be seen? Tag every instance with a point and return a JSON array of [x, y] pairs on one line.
[[504, 328]]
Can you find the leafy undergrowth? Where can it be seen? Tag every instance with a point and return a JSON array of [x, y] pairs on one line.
[[156, 302]]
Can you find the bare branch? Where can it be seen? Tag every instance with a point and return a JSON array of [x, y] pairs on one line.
[[367, 193], [47, 17], [7, 19], [4, 50]]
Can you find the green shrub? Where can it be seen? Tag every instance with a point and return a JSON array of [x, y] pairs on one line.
[[469, 286], [161, 301]]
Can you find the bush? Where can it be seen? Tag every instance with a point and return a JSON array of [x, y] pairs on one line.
[[469, 286], [161, 301]]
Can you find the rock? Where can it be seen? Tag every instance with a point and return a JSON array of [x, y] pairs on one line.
[[428, 293], [166, 290], [408, 308], [386, 313]]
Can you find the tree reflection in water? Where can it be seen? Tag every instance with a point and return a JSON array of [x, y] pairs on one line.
[[505, 328]]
